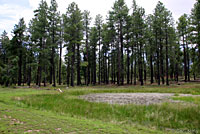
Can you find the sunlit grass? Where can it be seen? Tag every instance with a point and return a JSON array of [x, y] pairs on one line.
[[175, 116]]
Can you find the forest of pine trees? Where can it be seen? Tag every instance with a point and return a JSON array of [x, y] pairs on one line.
[[128, 47]]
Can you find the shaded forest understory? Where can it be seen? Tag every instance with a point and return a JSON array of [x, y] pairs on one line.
[[128, 47]]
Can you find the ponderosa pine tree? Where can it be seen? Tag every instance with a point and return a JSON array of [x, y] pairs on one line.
[[19, 40], [73, 35], [93, 46], [87, 21], [168, 23], [8, 61], [151, 47], [39, 35], [120, 11], [54, 20], [98, 24], [182, 30], [195, 24], [112, 39], [158, 34], [105, 56]]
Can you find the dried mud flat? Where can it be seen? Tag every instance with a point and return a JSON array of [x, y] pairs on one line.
[[132, 98]]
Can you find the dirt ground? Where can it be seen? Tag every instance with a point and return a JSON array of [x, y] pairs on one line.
[[132, 98]]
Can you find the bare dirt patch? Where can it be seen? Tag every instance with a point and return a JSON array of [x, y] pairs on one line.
[[132, 98]]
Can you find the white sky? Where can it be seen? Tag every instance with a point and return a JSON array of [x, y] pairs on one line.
[[12, 10]]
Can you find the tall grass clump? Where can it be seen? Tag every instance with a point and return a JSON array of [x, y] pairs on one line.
[[175, 116]]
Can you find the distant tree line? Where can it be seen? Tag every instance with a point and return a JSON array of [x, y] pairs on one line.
[[128, 47]]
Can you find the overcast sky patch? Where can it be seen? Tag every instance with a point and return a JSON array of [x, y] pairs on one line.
[[12, 10]]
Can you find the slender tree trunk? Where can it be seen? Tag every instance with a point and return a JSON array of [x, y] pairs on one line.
[[167, 57], [95, 66], [161, 59], [99, 57], [20, 68], [119, 64], [108, 71], [132, 55], [24, 72], [88, 56], [78, 65], [29, 76], [53, 67], [176, 68], [51, 72], [44, 75], [145, 68], [151, 67], [114, 67], [188, 61], [158, 60], [39, 75], [68, 68], [60, 61], [30, 69], [185, 59], [140, 65], [112, 64], [128, 66], [135, 71], [122, 54], [72, 65]]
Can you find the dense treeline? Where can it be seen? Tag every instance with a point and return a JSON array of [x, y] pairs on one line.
[[129, 47]]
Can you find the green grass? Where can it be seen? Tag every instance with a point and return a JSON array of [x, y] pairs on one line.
[[190, 99], [22, 120], [175, 116], [65, 113]]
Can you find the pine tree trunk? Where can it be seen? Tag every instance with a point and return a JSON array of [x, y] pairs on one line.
[[20, 68], [30, 69], [112, 64], [44, 75], [53, 67], [60, 61], [161, 59], [87, 56], [114, 67], [68, 74], [185, 59], [108, 71], [145, 68], [140, 65], [122, 54], [24, 73], [51, 72], [188, 61], [72, 65], [135, 71], [176, 68], [29, 76], [128, 66], [99, 57], [151, 67], [78, 65], [132, 65], [167, 57], [158, 59], [119, 64]]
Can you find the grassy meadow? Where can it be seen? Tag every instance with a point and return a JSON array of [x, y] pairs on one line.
[[45, 110]]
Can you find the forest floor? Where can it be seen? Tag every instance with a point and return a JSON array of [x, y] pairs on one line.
[[45, 110]]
